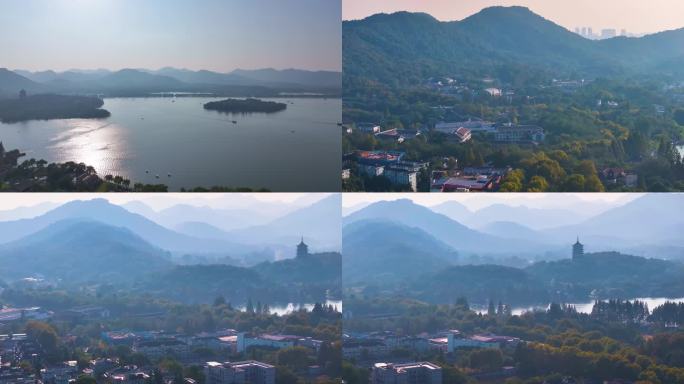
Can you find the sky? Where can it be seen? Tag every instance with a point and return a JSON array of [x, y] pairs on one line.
[[218, 35], [636, 16], [159, 201], [476, 201]]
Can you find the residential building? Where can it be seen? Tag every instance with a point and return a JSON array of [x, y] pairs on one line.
[[452, 340], [353, 348], [519, 133], [473, 125], [400, 135], [390, 165], [222, 373], [245, 341], [28, 313], [407, 373], [84, 313], [60, 374], [371, 170], [463, 134], [100, 366], [130, 378], [156, 349], [479, 183], [405, 173], [368, 127], [256, 372], [459, 134], [494, 92], [250, 371]]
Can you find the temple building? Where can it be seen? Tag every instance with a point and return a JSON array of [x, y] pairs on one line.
[[577, 250], [302, 249]]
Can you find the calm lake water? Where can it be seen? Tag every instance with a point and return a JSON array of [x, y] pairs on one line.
[[298, 149]]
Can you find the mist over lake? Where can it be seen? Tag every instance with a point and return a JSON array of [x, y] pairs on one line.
[[296, 149]]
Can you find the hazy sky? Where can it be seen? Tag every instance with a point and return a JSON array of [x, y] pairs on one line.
[[475, 201], [219, 35], [160, 201], [637, 16]]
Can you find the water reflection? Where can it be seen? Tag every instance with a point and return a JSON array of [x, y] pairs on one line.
[[298, 149], [97, 143]]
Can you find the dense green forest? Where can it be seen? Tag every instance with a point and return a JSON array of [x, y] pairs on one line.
[[44, 107], [604, 275], [245, 106]]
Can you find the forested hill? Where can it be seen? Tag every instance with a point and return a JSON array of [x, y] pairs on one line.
[[409, 47], [603, 275]]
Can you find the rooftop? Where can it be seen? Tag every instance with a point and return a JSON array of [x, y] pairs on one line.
[[379, 156], [247, 363], [279, 337], [405, 366]]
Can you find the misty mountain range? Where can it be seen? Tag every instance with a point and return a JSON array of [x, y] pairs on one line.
[[426, 235], [273, 237], [417, 46], [97, 242], [261, 82], [402, 248]]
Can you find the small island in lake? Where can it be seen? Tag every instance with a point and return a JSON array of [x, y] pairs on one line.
[[245, 106], [48, 106]]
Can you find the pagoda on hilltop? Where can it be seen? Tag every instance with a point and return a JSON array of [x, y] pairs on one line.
[[577, 250], [302, 249]]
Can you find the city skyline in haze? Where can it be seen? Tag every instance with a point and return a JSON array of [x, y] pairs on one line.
[[635, 16], [214, 35]]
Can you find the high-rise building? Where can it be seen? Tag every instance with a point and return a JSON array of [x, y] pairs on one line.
[[608, 33]]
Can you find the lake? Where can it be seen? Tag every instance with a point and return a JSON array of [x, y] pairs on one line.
[[281, 310], [298, 149], [586, 307]]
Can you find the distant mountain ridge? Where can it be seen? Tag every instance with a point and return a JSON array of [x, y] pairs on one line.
[[417, 46], [255, 240], [111, 214], [84, 251], [81, 250], [319, 223], [610, 230], [11, 83], [388, 252], [462, 238], [131, 80]]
